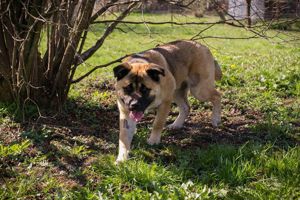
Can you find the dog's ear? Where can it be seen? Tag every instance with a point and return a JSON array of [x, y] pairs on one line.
[[121, 71], [154, 73]]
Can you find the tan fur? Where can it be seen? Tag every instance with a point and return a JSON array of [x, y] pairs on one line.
[[188, 66]]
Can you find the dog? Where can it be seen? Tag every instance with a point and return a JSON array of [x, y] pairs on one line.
[[155, 78]]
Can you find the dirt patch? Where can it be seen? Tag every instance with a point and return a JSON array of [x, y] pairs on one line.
[[198, 131]]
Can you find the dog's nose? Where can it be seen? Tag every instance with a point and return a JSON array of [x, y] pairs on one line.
[[134, 105]]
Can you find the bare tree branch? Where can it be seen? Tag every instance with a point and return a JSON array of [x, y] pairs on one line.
[[112, 3], [98, 67], [226, 38], [102, 10], [81, 23], [157, 23], [88, 53]]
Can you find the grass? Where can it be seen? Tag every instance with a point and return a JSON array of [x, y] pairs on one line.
[[253, 155]]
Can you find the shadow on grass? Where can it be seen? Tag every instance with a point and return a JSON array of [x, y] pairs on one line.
[[71, 139], [74, 139]]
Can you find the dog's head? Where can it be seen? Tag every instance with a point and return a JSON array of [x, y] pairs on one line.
[[138, 87]]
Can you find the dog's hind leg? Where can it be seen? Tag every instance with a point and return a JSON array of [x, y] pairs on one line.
[[180, 98], [215, 99], [205, 90]]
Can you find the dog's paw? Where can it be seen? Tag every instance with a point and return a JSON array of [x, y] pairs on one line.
[[216, 121], [153, 140], [122, 156], [117, 162], [120, 160], [174, 126]]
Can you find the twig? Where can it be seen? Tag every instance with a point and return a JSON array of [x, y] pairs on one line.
[[110, 4], [88, 53], [98, 67], [157, 23], [198, 34], [226, 38]]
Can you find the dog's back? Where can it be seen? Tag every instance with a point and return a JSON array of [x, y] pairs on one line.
[[189, 61], [194, 68]]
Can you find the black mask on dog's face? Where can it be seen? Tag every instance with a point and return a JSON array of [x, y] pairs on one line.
[[135, 95]]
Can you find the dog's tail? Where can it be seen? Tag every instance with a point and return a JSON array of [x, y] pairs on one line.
[[218, 72]]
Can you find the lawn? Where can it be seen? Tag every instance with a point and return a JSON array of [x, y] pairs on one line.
[[254, 154]]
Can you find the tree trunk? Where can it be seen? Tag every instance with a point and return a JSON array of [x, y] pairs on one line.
[[249, 13], [26, 75]]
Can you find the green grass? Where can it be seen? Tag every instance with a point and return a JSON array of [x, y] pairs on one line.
[[253, 155]]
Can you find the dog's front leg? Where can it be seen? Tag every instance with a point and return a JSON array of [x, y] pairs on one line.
[[127, 130], [159, 123]]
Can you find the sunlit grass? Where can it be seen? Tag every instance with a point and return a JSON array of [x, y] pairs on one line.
[[71, 162]]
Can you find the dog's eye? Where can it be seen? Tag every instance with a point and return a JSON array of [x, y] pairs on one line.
[[128, 89], [144, 89]]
